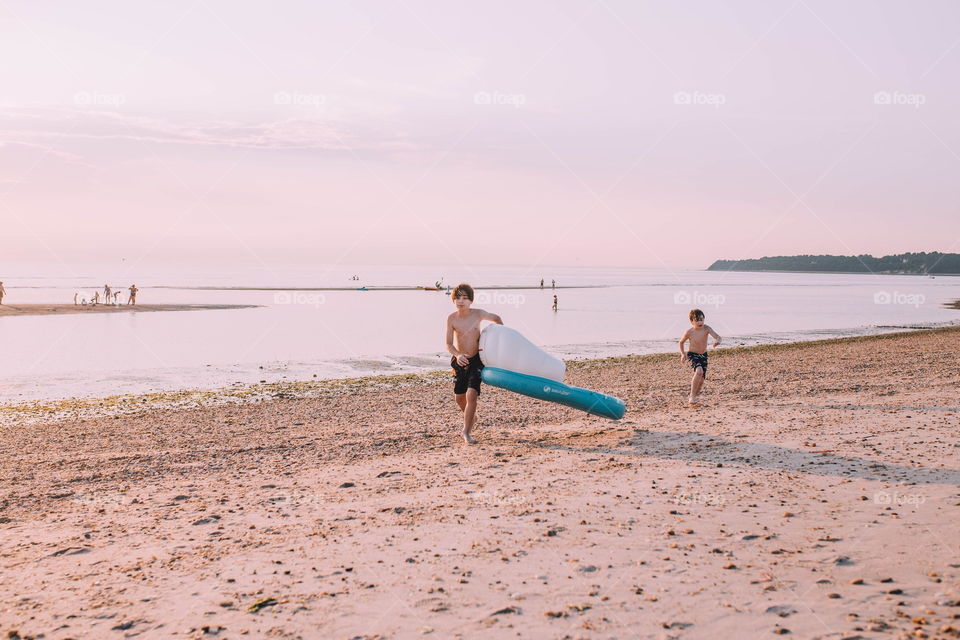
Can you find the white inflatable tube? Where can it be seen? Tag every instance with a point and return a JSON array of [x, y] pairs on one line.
[[506, 348]]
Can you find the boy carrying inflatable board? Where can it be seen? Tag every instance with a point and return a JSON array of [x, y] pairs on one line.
[[463, 343]]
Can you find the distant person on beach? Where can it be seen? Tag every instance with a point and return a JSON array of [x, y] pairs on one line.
[[553, 284], [541, 283], [116, 297], [106, 294], [463, 343], [133, 294], [3, 292], [96, 297], [554, 303], [698, 335]]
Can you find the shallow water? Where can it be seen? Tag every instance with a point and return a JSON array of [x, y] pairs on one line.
[[302, 334]]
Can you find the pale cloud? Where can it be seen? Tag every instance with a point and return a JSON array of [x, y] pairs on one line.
[[27, 127]]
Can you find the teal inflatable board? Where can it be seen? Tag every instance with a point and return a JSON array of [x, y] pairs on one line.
[[599, 404]]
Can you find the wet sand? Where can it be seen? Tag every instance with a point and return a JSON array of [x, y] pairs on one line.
[[815, 493], [59, 309]]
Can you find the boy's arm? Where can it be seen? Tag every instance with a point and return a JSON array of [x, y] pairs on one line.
[[715, 335], [492, 317], [683, 339], [450, 348]]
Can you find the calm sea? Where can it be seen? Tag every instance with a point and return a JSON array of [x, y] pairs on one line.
[[299, 331]]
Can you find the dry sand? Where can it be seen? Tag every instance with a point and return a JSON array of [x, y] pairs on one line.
[[815, 492], [59, 309]]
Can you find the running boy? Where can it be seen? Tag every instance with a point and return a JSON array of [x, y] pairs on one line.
[[697, 355], [463, 328]]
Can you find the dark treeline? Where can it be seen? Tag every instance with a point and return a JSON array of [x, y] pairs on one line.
[[914, 263]]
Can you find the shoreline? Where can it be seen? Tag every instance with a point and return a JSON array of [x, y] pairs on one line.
[[117, 405], [443, 289], [814, 493], [41, 309]]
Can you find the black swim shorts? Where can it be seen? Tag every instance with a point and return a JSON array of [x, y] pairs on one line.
[[468, 377], [698, 360]]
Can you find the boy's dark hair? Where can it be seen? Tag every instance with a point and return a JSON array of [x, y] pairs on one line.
[[696, 314], [462, 289]]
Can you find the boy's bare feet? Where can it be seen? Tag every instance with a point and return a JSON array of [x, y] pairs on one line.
[[693, 401], [468, 438]]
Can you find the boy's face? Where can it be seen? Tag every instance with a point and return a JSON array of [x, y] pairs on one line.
[[462, 302], [697, 323]]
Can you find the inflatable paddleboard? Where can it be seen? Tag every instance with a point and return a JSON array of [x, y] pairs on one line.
[[599, 404], [506, 348]]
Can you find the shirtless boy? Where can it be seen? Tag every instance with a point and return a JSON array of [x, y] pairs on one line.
[[463, 343], [698, 335]]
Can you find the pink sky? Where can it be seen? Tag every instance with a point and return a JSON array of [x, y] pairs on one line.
[[603, 133]]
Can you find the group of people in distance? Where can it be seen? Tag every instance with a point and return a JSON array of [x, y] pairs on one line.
[[110, 296], [463, 344]]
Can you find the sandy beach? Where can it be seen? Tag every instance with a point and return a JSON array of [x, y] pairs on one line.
[[60, 309], [814, 494]]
